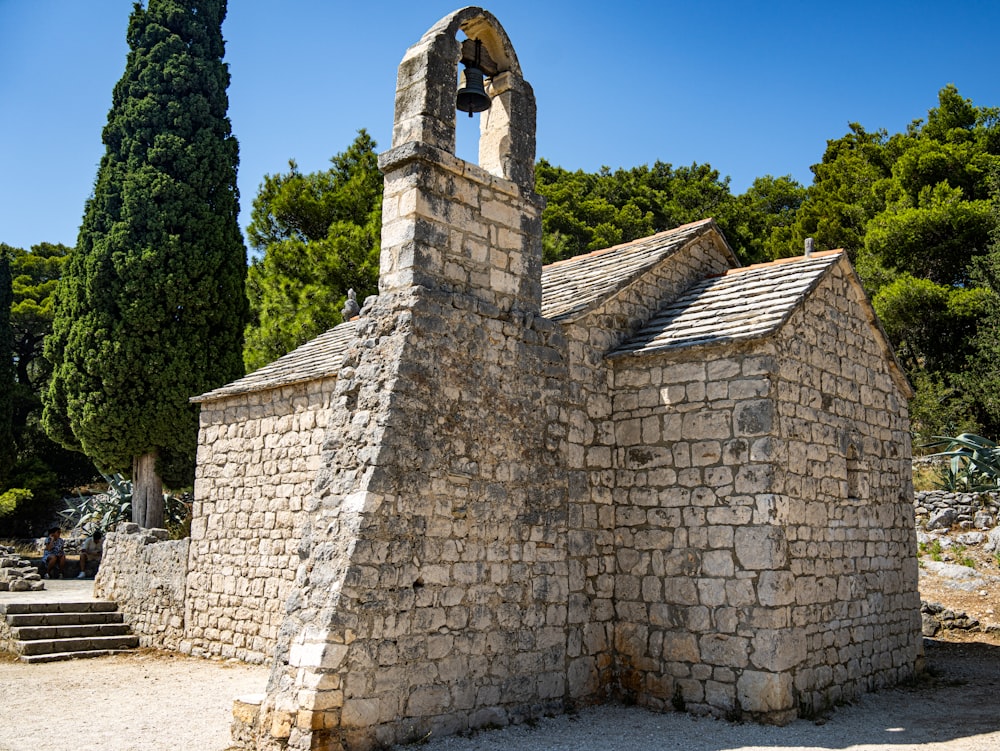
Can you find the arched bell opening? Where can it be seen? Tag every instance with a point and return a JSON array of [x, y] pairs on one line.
[[427, 96], [472, 100]]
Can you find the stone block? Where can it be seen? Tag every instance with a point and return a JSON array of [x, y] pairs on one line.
[[776, 588], [778, 650], [724, 649], [765, 693], [359, 712], [753, 418], [761, 548]]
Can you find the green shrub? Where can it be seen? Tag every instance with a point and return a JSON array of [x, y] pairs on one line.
[[10, 500]]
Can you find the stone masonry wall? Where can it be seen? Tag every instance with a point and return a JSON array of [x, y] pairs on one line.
[[941, 509], [694, 523], [847, 486], [433, 598], [749, 579], [590, 457], [258, 455], [144, 572]]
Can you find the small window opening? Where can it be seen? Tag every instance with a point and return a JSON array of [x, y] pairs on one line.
[[853, 474]]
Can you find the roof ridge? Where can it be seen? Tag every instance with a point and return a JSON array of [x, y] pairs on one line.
[[779, 261], [636, 241]]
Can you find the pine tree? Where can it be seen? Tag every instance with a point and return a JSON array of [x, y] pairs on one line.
[[319, 236], [151, 308]]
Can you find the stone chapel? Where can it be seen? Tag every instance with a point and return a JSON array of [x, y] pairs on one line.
[[645, 473]]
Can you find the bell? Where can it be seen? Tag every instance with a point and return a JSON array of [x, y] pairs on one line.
[[472, 96]]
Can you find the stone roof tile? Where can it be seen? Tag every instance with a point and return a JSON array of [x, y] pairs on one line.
[[569, 288], [317, 358], [573, 286], [744, 303]]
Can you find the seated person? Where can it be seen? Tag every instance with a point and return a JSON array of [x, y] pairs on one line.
[[90, 552], [53, 554]]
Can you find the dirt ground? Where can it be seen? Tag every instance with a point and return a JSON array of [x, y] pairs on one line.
[[156, 701]]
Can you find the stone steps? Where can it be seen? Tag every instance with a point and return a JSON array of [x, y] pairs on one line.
[[63, 619], [50, 631]]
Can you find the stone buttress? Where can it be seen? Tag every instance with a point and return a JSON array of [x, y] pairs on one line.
[[431, 594]]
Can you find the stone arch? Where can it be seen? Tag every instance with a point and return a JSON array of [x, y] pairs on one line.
[[426, 86]]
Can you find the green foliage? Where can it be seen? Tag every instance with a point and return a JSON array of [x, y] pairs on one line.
[[932, 325], [961, 558], [319, 236], [8, 452], [36, 275], [845, 195], [150, 309], [43, 467], [11, 499], [591, 211], [973, 462], [105, 511], [763, 218], [935, 239], [932, 549]]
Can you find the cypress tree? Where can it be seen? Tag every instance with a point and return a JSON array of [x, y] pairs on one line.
[[7, 451], [151, 307]]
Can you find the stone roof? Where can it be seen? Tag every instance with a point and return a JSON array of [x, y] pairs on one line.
[[742, 304], [575, 285], [569, 288], [317, 358]]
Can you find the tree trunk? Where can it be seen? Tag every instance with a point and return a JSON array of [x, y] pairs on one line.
[[147, 492]]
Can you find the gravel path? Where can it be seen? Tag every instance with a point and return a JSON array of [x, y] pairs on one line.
[[955, 710], [159, 702], [149, 701]]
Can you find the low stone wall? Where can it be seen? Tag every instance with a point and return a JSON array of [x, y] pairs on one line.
[[145, 573], [18, 574], [941, 509]]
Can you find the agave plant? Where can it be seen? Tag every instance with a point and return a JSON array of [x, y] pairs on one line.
[[973, 462], [105, 511]]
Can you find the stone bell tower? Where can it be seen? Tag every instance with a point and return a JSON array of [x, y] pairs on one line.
[[433, 579], [448, 223]]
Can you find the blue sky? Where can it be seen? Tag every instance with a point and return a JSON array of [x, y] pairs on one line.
[[751, 88]]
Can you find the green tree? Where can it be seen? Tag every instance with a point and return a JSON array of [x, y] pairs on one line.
[[590, 211], [763, 216], [41, 471], [8, 453], [150, 310], [981, 376], [318, 235], [36, 274], [846, 193], [916, 212]]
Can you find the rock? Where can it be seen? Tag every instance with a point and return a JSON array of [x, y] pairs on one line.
[[929, 624], [971, 538], [984, 520], [942, 519], [951, 570], [992, 540]]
